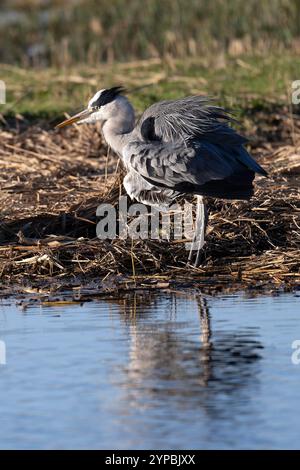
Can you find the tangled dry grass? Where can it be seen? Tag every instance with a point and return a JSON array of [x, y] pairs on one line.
[[51, 183]]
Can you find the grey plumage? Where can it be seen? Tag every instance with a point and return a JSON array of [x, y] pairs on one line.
[[186, 118], [176, 147], [187, 145]]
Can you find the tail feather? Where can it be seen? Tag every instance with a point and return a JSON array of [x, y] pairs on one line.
[[237, 186], [245, 158]]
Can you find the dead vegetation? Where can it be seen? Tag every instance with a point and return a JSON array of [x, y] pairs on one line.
[[52, 182]]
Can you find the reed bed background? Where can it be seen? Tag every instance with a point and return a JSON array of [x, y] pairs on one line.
[[62, 33]]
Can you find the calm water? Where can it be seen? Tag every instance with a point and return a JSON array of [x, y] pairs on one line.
[[168, 371]]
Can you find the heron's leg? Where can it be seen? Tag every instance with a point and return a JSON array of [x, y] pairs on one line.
[[199, 235], [202, 222]]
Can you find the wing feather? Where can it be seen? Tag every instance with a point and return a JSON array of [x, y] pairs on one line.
[[195, 122], [184, 146], [185, 119], [171, 164]]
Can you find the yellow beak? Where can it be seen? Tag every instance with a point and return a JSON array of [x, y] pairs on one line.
[[77, 117]]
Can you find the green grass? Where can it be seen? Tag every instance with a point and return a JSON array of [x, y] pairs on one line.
[[235, 82]]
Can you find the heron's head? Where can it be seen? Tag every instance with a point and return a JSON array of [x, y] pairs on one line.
[[104, 105]]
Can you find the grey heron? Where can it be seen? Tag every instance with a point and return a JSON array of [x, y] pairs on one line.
[[184, 146]]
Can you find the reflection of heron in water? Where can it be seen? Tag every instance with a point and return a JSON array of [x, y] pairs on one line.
[[165, 361], [155, 347]]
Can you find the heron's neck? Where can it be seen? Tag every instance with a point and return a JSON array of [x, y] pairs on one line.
[[117, 132]]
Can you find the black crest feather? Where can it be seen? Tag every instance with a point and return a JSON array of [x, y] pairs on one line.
[[108, 95]]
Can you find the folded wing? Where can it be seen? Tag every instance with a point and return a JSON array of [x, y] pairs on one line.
[[200, 168]]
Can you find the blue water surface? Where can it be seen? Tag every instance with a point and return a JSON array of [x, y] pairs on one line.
[[164, 371]]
